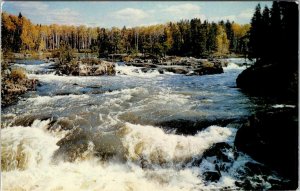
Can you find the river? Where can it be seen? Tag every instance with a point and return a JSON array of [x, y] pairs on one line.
[[132, 131]]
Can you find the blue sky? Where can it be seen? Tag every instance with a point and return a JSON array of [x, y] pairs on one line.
[[132, 13]]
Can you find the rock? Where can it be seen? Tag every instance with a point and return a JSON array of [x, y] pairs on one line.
[[177, 70], [12, 88], [86, 67], [246, 184], [27, 120], [256, 176], [208, 70], [191, 127], [80, 144], [269, 79], [188, 66], [271, 137], [212, 176], [218, 156], [217, 150], [253, 169]]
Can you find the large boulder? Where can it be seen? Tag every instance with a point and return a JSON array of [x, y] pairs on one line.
[[14, 83], [271, 137], [269, 79]]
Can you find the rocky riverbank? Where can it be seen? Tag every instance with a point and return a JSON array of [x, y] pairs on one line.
[[271, 137], [177, 65], [14, 83]]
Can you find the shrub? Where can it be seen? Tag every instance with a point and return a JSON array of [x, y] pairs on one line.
[[64, 53], [18, 73]]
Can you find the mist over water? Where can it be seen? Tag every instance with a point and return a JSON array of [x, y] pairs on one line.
[[132, 131]]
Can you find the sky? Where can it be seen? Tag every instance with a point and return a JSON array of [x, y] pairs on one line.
[[130, 13]]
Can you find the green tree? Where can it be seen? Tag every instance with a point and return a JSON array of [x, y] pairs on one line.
[[230, 35], [212, 36], [255, 49]]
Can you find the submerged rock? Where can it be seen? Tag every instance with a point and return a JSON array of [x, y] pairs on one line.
[[218, 150], [191, 127], [271, 137], [213, 176]]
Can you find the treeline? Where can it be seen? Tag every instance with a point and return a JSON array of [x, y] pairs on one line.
[[183, 38], [273, 43], [274, 34]]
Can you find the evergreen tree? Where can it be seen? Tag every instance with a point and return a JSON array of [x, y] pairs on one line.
[[229, 33], [276, 32], [255, 49], [211, 41], [266, 30], [290, 32], [195, 37], [203, 39]]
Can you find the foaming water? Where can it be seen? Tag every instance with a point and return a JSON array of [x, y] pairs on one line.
[[108, 132], [135, 71], [154, 146], [234, 66], [30, 151]]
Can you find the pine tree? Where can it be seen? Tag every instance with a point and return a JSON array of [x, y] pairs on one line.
[[195, 37], [266, 30], [255, 42], [229, 33], [276, 32], [211, 41], [290, 32]]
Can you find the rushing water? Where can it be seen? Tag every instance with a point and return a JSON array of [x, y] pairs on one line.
[[121, 132]]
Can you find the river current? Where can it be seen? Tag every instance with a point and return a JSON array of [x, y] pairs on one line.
[[132, 131]]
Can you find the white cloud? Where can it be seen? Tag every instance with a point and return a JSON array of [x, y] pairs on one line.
[[243, 15], [65, 16], [132, 14], [246, 14], [181, 11]]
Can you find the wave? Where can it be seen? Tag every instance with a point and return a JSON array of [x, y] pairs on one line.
[[29, 162]]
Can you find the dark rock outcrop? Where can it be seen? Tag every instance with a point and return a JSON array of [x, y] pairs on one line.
[[271, 137], [270, 79]]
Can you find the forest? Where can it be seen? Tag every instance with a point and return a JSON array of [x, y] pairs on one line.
[[184, 38], [273, 42], [273, 35]]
